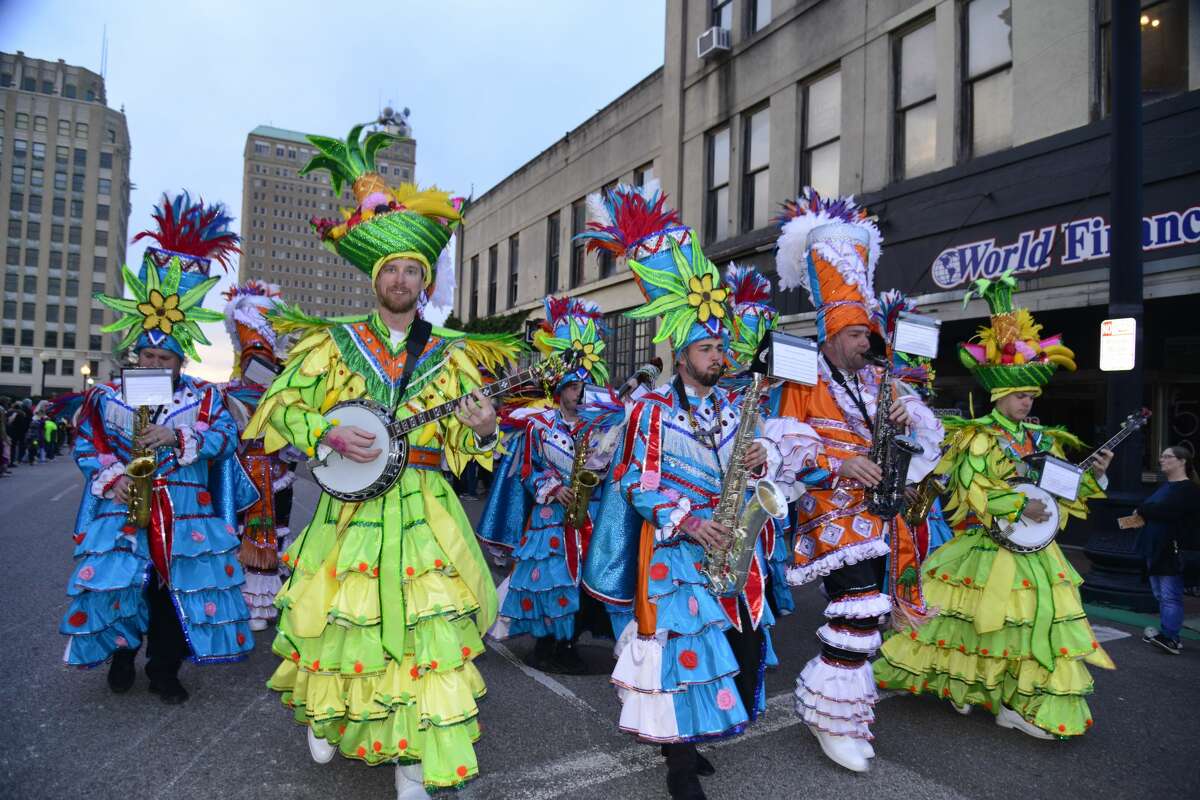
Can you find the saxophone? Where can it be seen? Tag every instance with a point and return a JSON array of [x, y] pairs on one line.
[[140, 470], [891, 450], [726, 569], [928, 490], [583, 481]]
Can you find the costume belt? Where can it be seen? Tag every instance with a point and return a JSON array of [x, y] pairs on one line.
[[425, 458]]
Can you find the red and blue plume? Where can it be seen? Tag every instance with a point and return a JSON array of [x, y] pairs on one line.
[[193, 229], [252, 288], [624, 216], [810, 203], [749, 286], [911, 369]]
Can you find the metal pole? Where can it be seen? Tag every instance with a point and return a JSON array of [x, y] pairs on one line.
[[1125, 390]]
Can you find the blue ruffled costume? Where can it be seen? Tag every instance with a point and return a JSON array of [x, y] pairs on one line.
[[204, 485]]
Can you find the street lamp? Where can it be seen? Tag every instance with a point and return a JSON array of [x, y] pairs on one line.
[[86, 372], [43, 357]]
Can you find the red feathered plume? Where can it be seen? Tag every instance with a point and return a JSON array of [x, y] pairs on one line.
[[193, 229], [632, 216]]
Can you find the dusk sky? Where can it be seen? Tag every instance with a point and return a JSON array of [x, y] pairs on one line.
[[490, 85]]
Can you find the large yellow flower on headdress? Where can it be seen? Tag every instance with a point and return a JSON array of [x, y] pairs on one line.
[[707, 301], [160, 312]]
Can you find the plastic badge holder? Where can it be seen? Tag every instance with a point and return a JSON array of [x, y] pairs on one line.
[[145, 386]]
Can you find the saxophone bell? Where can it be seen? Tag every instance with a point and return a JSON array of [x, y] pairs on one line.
[[140, 470]]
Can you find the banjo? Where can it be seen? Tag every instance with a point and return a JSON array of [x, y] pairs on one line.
[[351, 481], [1027, 536]]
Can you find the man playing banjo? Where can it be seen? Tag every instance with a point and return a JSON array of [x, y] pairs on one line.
[[382, 617], [1011, 634]]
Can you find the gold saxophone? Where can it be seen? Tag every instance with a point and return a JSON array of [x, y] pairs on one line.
[[928, 490], [583, 481], [140, 470], [727, 568]]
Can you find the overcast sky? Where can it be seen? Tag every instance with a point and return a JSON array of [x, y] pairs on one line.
[[490, 84]]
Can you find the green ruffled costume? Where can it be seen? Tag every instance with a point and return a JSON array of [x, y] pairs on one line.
[[1010, 627], [388, 598]]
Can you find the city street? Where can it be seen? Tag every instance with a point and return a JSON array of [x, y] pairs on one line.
[[544, 736]]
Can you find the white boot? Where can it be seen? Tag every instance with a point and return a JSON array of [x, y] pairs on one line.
[[865, 748], [258, 624], [321, 751], [842, 750], [410, 782], [964, 709], [1007, 718]]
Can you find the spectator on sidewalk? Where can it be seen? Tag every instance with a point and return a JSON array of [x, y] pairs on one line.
[[49, 438], [18, 429], [1166, 522], [35, 439], [5, 442]]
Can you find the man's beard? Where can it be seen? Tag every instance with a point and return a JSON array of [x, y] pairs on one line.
[[396, 306], [705, 378]]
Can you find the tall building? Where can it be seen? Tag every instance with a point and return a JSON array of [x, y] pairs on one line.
[[976, 130], [277, 203], [64, 194]]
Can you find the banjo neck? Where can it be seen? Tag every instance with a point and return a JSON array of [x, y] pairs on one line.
[[445, 409], [1131, 425]]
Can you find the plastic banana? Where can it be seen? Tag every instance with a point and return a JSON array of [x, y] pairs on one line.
[[1063, 361], [1059, 350]]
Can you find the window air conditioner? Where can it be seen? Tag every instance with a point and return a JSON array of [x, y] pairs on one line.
[[713, 42]]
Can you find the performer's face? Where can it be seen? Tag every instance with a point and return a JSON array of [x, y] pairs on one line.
[[158, 358], [568, 398], [399, 284], [703, 361], [847, 348], [1016, 406]]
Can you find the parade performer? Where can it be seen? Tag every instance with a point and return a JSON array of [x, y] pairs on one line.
[[830, 248], [1011, 634], [381, 619], [175, 582], [691, 667], [750, 296], [541, 596], [263, 529]]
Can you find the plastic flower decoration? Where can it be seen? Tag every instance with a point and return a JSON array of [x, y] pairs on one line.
[[158, 305]]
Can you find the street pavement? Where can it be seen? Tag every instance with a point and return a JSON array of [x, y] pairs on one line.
[[544, 736]]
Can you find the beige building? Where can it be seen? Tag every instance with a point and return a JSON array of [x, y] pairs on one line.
[[277, 203], [64, 195], [956, 121]]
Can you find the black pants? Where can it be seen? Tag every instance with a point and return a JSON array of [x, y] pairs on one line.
[[165, 645], [863, 577]]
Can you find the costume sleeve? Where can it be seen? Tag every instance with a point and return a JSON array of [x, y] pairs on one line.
[[460, 444], [928, 431], [640, 476], [291, 410], [816, 468], [214, 434], [94, 453], [538, 475], [795, 456]]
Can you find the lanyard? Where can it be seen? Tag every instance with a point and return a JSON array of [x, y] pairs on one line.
[[707, 438], [857, 398]]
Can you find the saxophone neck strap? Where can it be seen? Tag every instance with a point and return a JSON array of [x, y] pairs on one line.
[[707, 438], [840, 379]]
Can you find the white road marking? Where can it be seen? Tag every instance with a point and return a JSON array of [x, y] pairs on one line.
[[1107, 634], [233, 725], [63, 493], [541, 677]]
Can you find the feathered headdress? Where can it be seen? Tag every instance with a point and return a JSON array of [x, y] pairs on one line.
[[405, 222], [830, 249], [753, 313], [576, 326], [679, 283], [170, 286], [1010, 355], [246, 319], [916, 371]]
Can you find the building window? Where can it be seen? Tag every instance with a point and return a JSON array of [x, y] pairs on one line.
[[81, 130], [39, 153], [50, 339], [1164, 50], [608, 262], [915, 137], [6, 362], [35, 204], [80, 157], [69, 344], [77, 182], [14, 229], [987, 84], [820, 163], [553, 234], [104, 186], [75, 235], [60, 180], [31, 256], [95, 343], [64, 127], [18, 175], [716, 204], [70, 90], [16, 201], [21, 122], [722, 14], [101, 238], [76, 209], [39, 124], [27, 338], [756, 184], [474, 287], [37, 178], [33, 230], [51, 313], [10, 309], [630, 344], [493, 268], [60, 155], [106, 160], [644, 175], [760, 14], [68, 365], [101, 211], [25, 365], [58, 206], [578, 250], [514, 258]]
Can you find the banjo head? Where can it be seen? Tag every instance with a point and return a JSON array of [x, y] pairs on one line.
[[1027, 536], [349, 480]]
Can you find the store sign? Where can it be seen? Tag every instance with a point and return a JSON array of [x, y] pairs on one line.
[[1074, 242], [1118, 344]]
